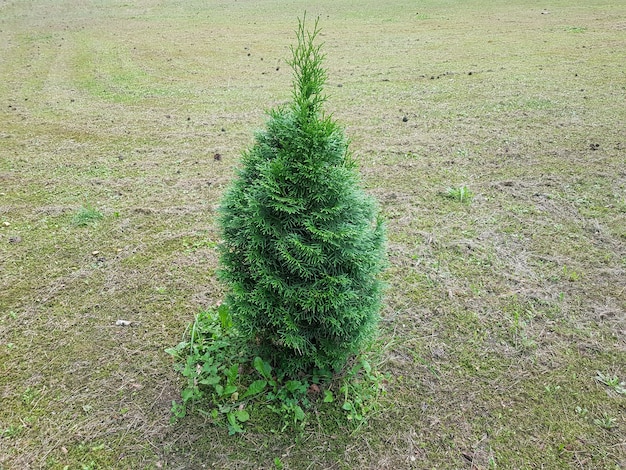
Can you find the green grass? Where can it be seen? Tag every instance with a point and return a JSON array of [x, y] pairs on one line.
[[503, 329], [86, 215]]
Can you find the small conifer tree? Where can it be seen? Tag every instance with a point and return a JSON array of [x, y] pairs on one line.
[[302, 243]]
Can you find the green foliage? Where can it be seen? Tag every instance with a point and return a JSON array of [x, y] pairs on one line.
[[225, 381], [207, 361], [361, 391], [605, 422], [86, 215], [303, 243], [612, 381], [460, 194]]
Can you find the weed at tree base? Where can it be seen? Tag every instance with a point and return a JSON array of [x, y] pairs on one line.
[[229, 384]]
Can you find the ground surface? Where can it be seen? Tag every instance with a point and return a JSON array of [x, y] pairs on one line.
[[500, 312]]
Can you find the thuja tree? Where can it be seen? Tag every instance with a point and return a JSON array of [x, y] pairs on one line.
[[302, 242]]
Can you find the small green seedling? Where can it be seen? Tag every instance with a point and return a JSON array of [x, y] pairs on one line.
[[606, 422], [29, 396], [552, 389], [11, 431], [581, 411], [612, 382], [461, 194]]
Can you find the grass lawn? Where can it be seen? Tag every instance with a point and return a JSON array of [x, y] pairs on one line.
[[493, 134]]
